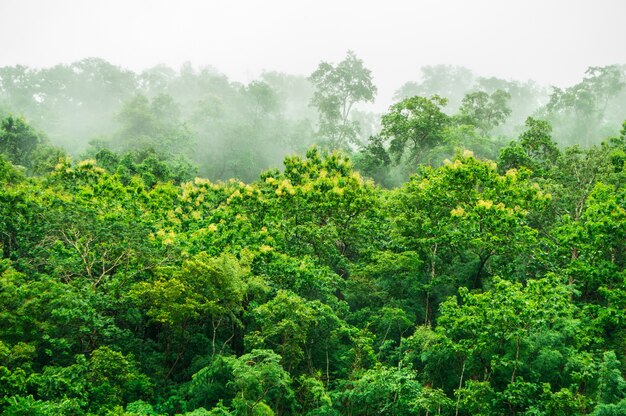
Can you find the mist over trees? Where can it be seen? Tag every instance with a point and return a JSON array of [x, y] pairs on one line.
[[224, 129], [207, 125], [176, 243]]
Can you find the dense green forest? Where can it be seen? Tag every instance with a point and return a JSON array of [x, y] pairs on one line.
[[461, 254]]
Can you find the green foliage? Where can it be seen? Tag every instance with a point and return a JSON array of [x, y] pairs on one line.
[[338, 89], [389, 391], [29, 405], [18, 140], [611, 384], [535, 150], [298, 330], [471, 289], [538, 142], [374, 160], [414, 126], [581, 111], [319, 206], [499, 336], [203, 285], [478, 209], [485, 111], [259, 379], [610, 409]]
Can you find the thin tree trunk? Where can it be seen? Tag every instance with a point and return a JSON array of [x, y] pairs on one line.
[[458, 399], [327, 367], [516, 358]]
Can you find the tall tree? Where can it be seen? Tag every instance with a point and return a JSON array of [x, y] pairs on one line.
[[535, 149], [414, 126], [338, 89], [485, 111], [18, 140], [579, 112]]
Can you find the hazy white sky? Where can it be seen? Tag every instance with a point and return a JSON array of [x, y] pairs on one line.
[[551, 41]]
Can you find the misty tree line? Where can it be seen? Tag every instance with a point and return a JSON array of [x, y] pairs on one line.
[[197, 122], [486, 277]]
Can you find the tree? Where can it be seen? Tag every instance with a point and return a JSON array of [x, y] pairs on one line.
[[263, 99], [320, 204], [373, 160], [299, 330], [485, 111], [152, 124], [514, 340], [579, 113], [535, 149], [611, 384], [414, 126], [465, 220], [259, 379], [15, 208], [525, 99], [205, 288], [382, 390], [538, 143], [338, 89], [18, 140]]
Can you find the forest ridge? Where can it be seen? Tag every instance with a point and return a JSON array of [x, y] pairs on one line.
[[461, 254], [199, 123]]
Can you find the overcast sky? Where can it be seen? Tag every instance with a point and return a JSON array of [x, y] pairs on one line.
[[551, 41]]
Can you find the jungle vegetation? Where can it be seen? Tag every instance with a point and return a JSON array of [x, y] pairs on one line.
[[461, 254]]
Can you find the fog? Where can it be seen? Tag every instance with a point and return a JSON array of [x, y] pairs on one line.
[[227, 89], [551, 42]]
